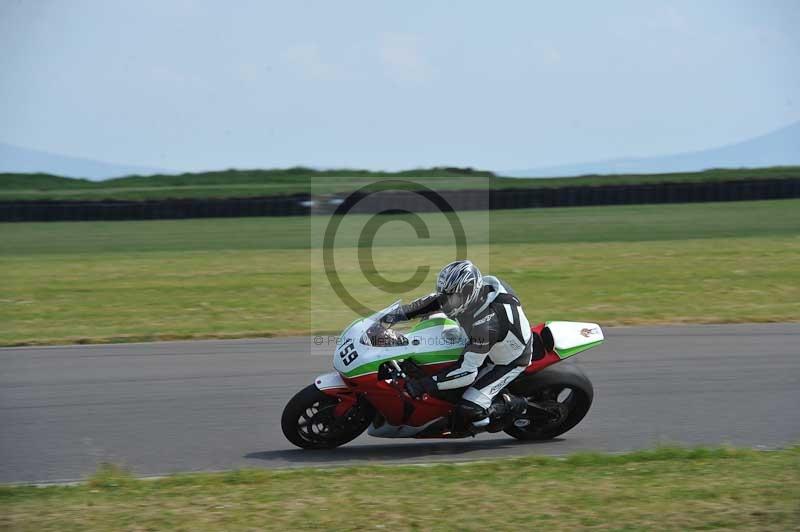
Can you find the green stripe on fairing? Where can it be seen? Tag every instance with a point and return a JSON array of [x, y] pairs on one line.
[[566, 353], [445, 355], [432, 323]]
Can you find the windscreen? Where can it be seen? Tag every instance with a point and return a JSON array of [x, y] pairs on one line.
[[375, 318]]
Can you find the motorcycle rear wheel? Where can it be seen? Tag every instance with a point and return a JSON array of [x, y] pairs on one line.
[[308, 420], [563, 390]]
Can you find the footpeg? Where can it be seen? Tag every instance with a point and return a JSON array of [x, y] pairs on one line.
[[515, 405]]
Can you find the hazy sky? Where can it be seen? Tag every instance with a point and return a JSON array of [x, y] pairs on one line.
[[190, 85]]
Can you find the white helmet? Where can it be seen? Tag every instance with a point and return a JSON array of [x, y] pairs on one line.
[[458, 287]]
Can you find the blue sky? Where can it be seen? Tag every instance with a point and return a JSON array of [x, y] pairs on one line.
[[385, 85]]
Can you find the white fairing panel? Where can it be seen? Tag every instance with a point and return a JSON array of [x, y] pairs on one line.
[[329, 380], [393, 431], [432, 341], [571, 334]]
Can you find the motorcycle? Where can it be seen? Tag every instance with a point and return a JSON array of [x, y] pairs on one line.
[[373, 362]]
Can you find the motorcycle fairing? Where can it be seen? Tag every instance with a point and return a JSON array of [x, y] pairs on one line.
[[433, 321], [572, 337], [434, 341], [387, 430]]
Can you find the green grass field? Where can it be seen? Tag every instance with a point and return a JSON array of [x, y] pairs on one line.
[[665, 489], [246, 183], [216, 278]]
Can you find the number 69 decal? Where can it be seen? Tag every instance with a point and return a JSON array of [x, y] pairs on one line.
[[348, 353]]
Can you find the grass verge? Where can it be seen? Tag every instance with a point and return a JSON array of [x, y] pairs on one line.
[[663, 489], [83, 282]]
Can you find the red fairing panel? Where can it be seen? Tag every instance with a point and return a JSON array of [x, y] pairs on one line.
[[392, 402], [549, 358], [397, 406]]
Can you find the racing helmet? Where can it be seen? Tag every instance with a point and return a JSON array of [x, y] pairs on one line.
[[458, 287]]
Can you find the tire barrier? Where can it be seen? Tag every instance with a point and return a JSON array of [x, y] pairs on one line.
[[303, 204], [648, 193], [111, 210]]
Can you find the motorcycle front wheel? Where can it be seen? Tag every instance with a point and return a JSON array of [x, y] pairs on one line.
[[308, 420]]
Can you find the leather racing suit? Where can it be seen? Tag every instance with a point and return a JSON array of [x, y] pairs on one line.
[[498, 349]]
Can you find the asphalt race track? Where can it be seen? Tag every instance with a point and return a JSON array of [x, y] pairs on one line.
[[210, 405]]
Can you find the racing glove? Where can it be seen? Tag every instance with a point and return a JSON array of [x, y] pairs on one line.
[[421, 306], [395, 317]]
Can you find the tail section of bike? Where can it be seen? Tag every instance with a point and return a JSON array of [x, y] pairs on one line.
[[555, 341]]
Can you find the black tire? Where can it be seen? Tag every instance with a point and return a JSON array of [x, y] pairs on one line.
[[321, 430], [547, 388]]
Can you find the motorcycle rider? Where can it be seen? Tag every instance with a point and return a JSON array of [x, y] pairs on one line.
[[499, 346]]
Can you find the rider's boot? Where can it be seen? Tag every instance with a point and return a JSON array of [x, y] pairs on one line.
[[504, 406], [469, 418]]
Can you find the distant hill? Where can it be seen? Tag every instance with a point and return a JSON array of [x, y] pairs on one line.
[[14, 159], [779, 148]]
